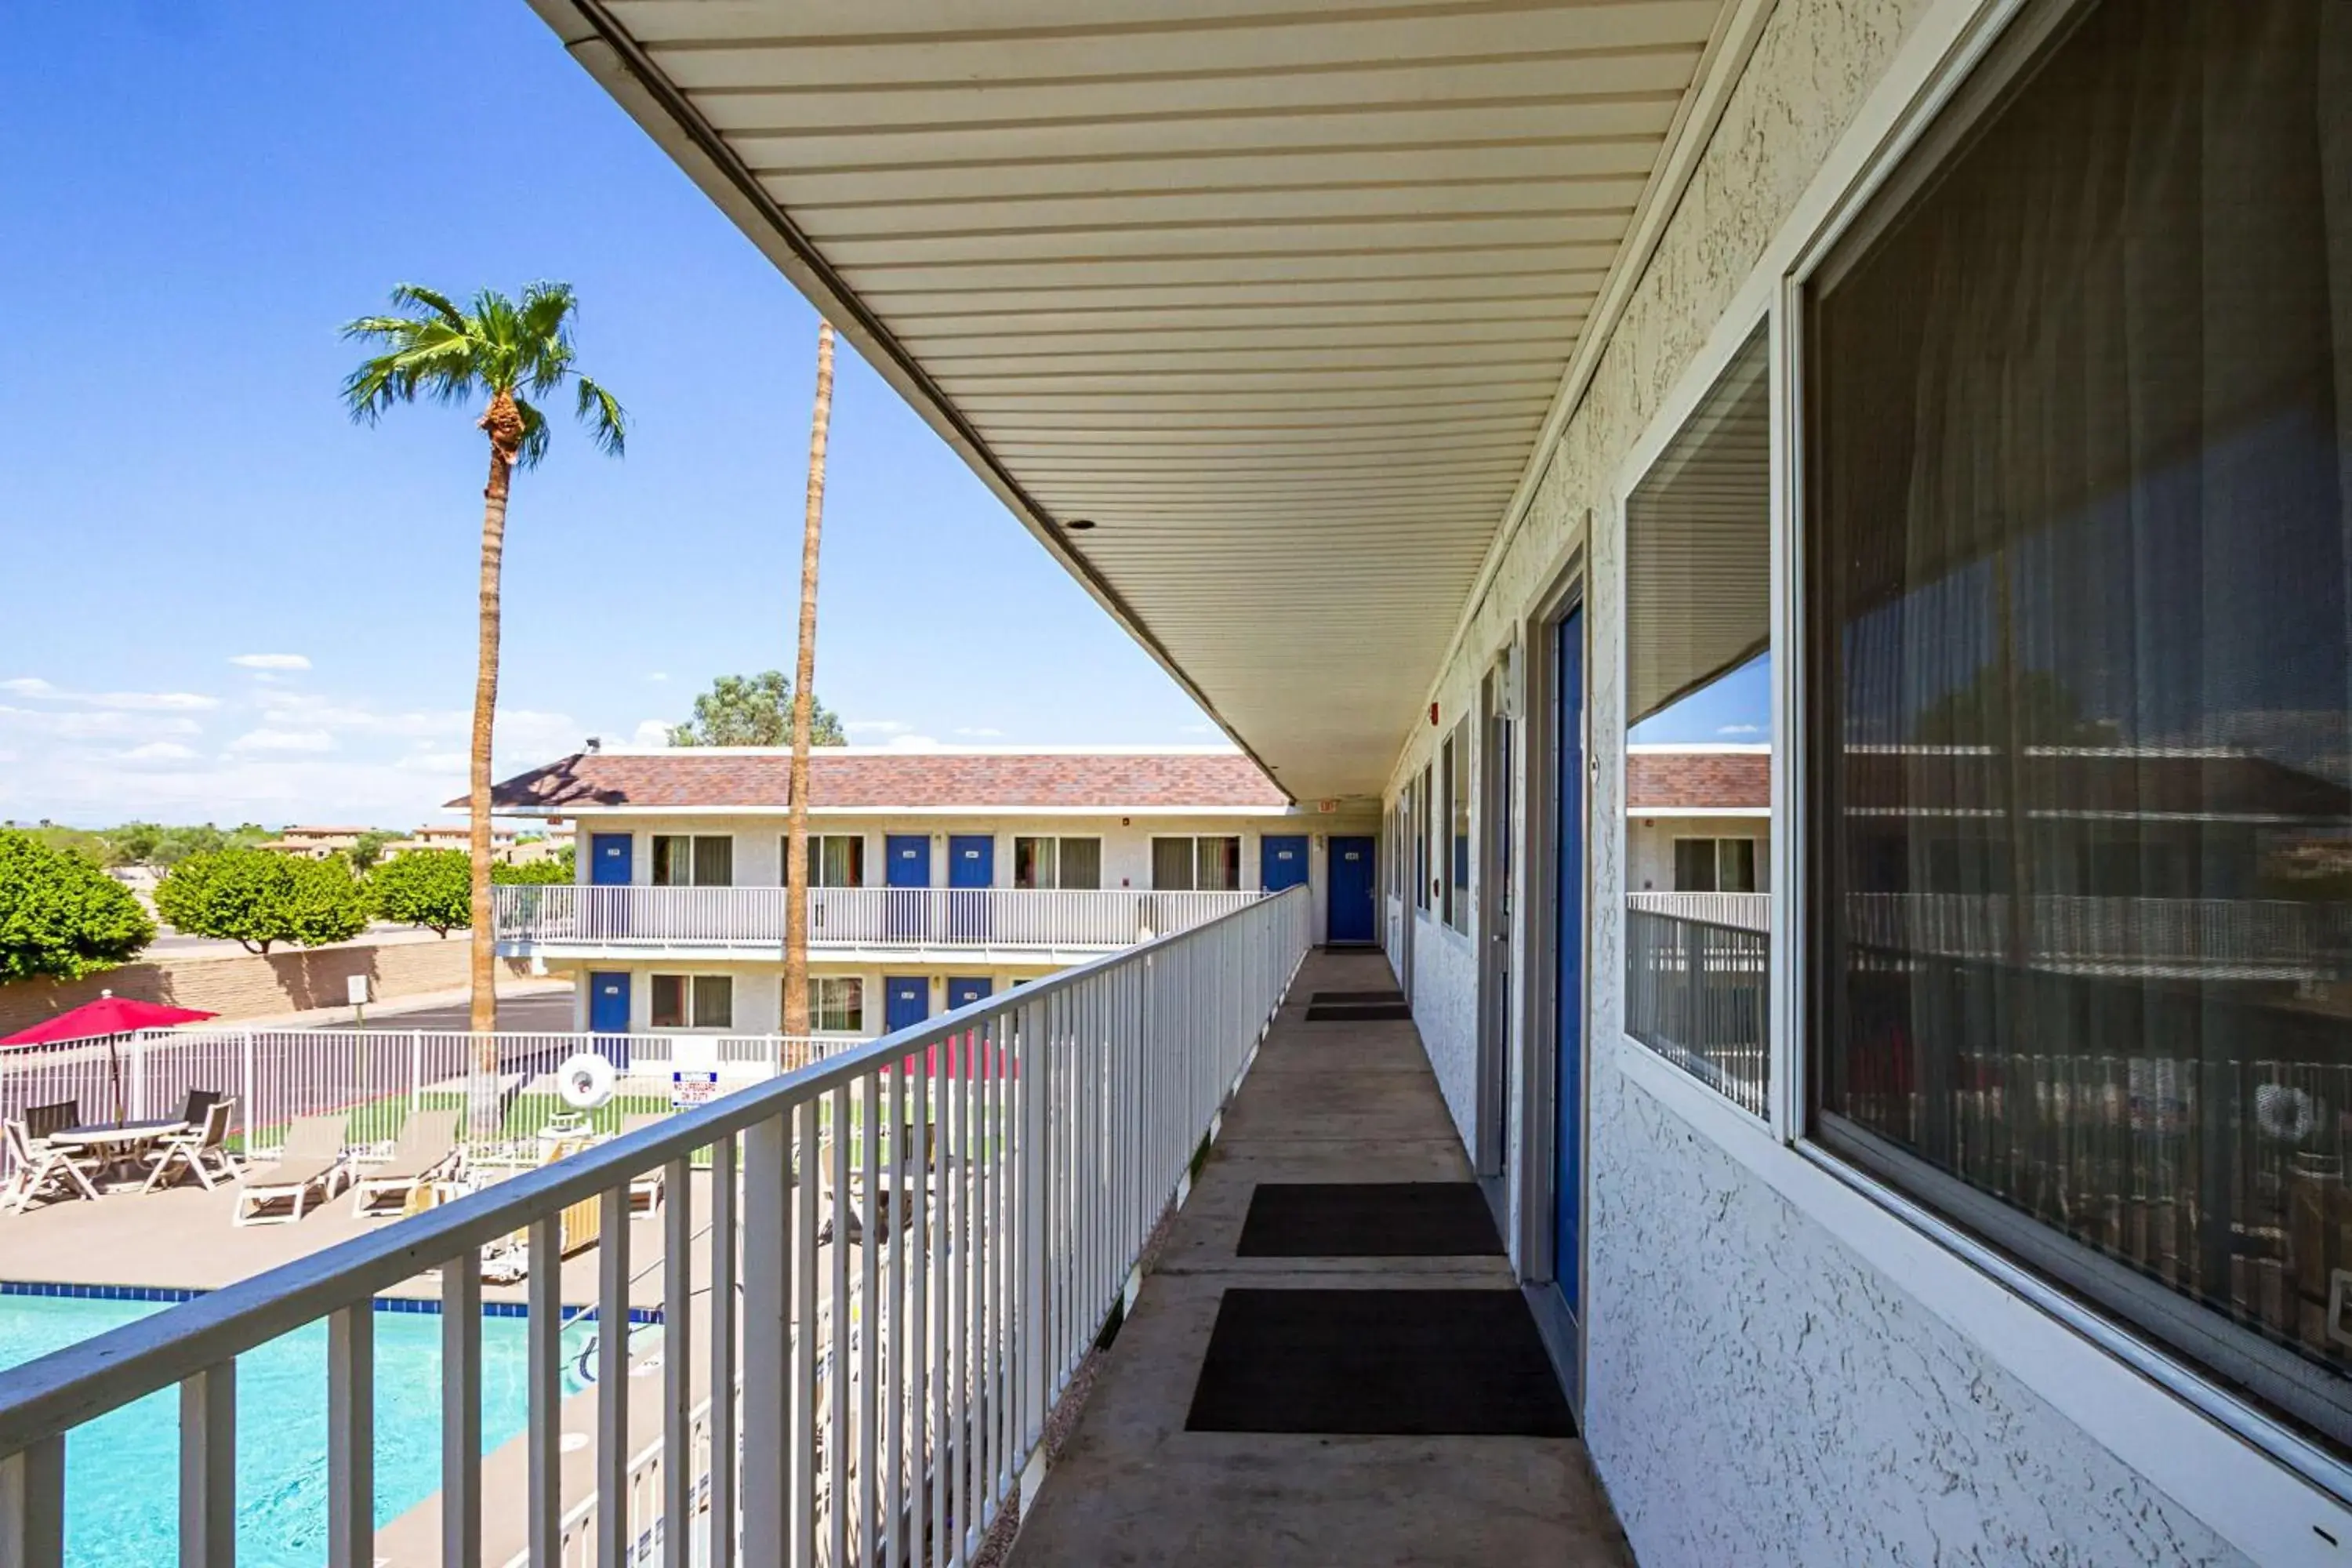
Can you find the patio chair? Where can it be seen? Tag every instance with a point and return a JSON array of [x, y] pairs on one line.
[[202, 1148], [426, 1151], [39, 1168], [40, 1120], [312, 1161], [198, 1102], [645, 1189]]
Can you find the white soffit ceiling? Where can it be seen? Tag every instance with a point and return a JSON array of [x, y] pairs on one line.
[[1277, 295]]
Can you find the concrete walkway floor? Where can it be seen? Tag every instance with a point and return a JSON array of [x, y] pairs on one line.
[[1324, 1102]]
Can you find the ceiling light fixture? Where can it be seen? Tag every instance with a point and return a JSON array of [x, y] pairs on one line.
[[1079, 524]]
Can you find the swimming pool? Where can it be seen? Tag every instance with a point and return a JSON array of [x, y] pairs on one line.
[[123, 1470]]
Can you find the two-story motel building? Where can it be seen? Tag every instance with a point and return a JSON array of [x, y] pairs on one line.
[[939, 876]]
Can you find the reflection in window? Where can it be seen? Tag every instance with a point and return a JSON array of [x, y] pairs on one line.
[[1072, 863], [837, 1004], [693, 861], [2081, 786], [1457, 815], [1209, 864]]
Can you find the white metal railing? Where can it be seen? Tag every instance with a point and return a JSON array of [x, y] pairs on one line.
[[373, 1078], [861, 917], [2256, 936], [911, 1246], [1748, 912]]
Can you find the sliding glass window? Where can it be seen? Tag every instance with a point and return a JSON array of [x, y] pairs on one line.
[[2078, 790]]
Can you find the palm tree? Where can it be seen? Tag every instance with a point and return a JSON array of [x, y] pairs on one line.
[[502, 353], [796, 1007]]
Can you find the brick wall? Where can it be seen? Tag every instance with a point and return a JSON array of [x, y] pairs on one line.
[[245, 985]]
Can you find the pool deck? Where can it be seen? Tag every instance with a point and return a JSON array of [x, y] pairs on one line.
[[181, 1238]]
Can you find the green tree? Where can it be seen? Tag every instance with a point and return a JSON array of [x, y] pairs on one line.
[[1999, 708], [429, 888], [756, 710], [255, 899], [369, 848], [557, 868], [136, 841], [502, 353], [86, 846], [61, 916]]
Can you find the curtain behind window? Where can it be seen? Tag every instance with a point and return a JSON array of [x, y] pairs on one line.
[[1172, 864], [2083, 779], [1081, 864]]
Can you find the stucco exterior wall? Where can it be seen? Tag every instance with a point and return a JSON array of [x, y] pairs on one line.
[[1445, 1007], [1755, 1391], [1126, 841], [1649, 847]]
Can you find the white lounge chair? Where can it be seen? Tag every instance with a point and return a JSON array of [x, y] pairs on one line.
[[312, 1161], [426, 1150], [202, 1148], [41, 1169]]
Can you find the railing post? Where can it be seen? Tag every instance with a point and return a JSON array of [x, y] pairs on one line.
[[32, 1506], [1034, 1163], [765, 1488], [208, 1469], [244, 1107], [415, 1069]]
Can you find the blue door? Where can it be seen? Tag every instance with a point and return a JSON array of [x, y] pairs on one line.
[[608, 1003], [1568, 1005], [971, 867], [905, 1001], [963, 993], [1353, 870], [1281, 861], [906, 865], [610, 858]]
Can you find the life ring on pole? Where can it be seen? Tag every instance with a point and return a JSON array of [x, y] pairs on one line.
[[586, 1081]]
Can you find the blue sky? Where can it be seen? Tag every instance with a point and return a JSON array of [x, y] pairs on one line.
[[232, 603], [198, 195]]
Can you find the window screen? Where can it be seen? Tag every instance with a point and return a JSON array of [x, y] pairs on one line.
[[2078, 796]]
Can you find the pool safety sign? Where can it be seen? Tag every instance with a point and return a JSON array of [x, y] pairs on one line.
[[688, 1089]]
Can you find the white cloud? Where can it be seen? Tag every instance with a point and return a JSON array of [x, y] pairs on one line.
[[108, 724], [651, 732], [271, 661], [980, 732], [657, 674], [1199, 730], [913, 743], [1741, 730], [881, 729], [432, 763], [116, 701], [268, 740], [159, 752]]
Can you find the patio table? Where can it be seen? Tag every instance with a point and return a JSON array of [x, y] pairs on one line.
[[118, 1145]]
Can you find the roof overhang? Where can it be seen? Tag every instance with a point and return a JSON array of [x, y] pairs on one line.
[[1285, 301]]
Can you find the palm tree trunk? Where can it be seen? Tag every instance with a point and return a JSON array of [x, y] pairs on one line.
[[796, 879], [483, 1015]]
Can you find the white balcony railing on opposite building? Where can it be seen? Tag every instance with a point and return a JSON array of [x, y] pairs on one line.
[[861, 917], [882, 1371]]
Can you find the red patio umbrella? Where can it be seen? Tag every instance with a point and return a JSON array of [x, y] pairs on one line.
[[110, 1017]]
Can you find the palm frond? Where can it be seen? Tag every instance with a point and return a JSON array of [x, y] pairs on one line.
[[534, 435], [417, 295], [598, 409]]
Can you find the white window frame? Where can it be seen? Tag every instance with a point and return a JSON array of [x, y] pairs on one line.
[[1755, 861], [1196, 841], [1056, 843], [816, 1010], [815, 843], [1457, 873], [2267, 1491], [694, 1025], [693, 849]]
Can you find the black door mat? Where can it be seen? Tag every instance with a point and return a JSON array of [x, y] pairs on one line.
[[1391, 995], [1369, 1219], [1359, 1013], [1381, 1364]]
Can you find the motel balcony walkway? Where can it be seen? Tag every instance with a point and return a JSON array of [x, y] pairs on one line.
[[1348, 1102]]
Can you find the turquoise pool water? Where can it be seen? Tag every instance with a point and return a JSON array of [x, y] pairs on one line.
[[123, 1470]]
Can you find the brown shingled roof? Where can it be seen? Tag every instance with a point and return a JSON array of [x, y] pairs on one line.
[[1665, 782], [982, 781]]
